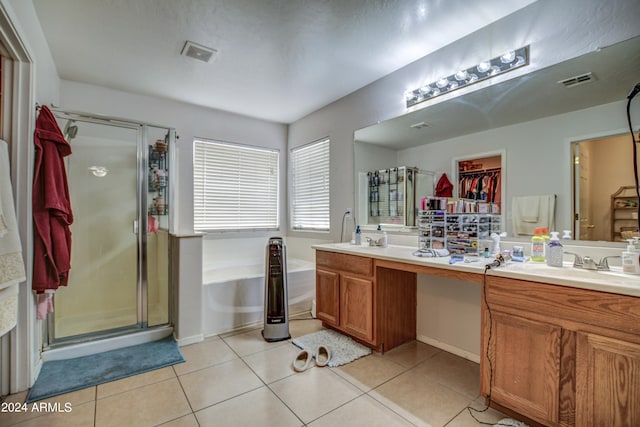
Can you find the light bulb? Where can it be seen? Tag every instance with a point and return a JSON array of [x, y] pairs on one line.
[[408, 95], [462, 75], [453, 85], [508, 57], [520, 61], [494, 70], [99, 171], [442, 83], [483, 67]]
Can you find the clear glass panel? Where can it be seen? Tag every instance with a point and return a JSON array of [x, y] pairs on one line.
[[158, 145], [102, 174]]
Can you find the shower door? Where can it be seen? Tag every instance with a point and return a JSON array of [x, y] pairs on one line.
[[118, 281]]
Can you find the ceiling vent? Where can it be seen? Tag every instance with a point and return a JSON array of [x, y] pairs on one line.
[[419, 125], [578, 80], [199, 52]]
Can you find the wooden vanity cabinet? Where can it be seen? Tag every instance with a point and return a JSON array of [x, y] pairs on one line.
[[376, 306], [561, 356]]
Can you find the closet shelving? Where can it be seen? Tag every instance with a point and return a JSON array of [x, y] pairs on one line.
[[624, 211], [462, 233], [480, 184]]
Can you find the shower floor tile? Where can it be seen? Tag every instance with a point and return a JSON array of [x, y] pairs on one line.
[[239, 379]]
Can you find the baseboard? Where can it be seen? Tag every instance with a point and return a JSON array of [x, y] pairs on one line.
[[189, 340], [449, 348]]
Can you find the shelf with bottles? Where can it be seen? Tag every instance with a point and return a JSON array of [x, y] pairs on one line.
[[391, 196], [158, 179], [624, 213], [458, 232]]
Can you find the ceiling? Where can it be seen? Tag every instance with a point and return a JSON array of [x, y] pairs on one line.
[[277, 60], [528, 97]]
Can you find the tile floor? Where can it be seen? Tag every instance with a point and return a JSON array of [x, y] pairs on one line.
[[238, 379]]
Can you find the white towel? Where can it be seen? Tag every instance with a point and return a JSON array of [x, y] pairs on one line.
[[12, 269], [531, 212], [8, 308]]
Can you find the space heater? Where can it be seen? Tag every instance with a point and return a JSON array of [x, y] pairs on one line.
[[276, 299]]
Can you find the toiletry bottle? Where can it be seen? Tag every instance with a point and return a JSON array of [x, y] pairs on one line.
[[554, 251], [538, 245], [358, 236], [384, 239], [631, 259], [566, 234]]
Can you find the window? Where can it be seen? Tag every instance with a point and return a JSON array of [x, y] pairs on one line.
[[310, 186], [235, 187]]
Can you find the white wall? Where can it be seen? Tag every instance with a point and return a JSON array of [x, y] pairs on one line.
[[25, 20], [556, 31], [538, 154], [189, 121], [38, 81]]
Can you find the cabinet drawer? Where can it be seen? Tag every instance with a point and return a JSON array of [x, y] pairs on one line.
[[343, 262], [613, 311]]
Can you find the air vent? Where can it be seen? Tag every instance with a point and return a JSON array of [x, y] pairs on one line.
[[420, 125], [578, 80], [199, 52]]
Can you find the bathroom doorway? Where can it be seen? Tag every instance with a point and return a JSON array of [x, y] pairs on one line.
[[600, 167], [118, 175]]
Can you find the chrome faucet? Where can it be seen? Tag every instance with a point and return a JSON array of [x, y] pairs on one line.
[[374, 242], [604, 264], [588, 263]]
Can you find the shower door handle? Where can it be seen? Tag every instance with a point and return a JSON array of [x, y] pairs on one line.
[[135, 226]]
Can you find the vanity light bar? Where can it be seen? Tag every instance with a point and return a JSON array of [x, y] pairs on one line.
[[484, 70]]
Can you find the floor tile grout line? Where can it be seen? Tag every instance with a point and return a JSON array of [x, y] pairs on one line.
[[269, 388], [134, 388]]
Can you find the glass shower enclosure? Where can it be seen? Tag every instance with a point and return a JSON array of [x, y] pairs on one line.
[[119, 185]]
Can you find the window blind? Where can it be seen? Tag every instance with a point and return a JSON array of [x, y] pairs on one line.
[[235, 187], [310, 186]]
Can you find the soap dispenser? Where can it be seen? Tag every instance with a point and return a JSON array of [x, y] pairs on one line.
[[385, 241], [358, 236], [554, 251], [631, 258]]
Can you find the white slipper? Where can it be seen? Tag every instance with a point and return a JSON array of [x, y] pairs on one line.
[[302, 362], [323, 355]]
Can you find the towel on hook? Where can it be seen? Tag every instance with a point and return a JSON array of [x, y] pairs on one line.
[[528, 208], [12, 269], [444, 188], [531, 212]]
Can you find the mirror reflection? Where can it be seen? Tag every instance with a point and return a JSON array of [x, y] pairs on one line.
[[562, 132]]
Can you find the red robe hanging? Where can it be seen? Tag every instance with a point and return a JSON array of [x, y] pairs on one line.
[[52, 214]]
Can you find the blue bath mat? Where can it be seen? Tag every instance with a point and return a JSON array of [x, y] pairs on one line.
[[64, 376]]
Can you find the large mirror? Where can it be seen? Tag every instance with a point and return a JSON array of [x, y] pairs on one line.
[[537, 121]]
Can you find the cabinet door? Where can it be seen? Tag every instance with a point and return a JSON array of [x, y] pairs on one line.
[[356, 307], [525, 357], [607, 382], [328, 297]]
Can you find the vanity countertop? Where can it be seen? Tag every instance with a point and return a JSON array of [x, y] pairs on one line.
[[613, 281]]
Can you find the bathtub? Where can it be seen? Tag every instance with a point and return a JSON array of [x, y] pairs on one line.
[[233, 295]]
